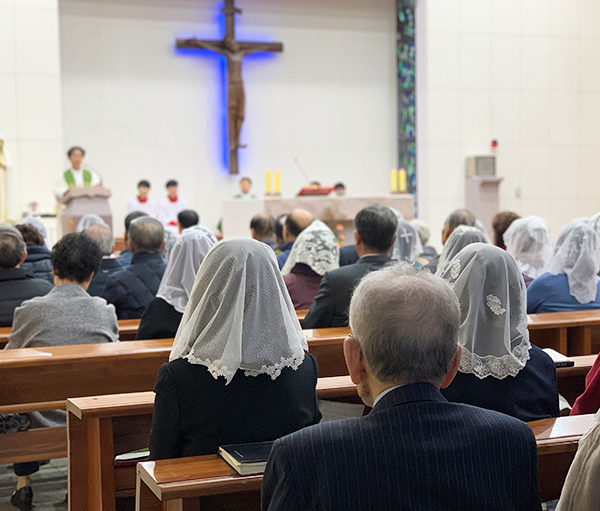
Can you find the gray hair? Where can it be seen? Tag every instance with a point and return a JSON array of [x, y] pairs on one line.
[[146, 235], [460, 217], [102, 236], [406, 322], [423, 230], [12, 246]]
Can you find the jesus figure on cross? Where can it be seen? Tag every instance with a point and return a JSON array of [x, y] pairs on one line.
[[234, 51]]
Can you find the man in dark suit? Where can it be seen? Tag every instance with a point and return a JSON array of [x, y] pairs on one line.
[[104, 239], [415, 450], [374, 235]]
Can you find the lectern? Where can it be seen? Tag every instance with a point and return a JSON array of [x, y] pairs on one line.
[[79, 202]]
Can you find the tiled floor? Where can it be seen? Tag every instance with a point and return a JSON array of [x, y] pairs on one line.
[[49, 486]]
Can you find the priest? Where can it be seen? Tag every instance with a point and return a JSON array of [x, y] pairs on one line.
[[76, 175]]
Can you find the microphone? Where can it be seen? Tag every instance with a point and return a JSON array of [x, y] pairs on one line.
[[300, 168]]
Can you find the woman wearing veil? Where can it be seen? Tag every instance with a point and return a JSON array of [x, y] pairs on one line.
[[239, 371], [462, 236], [528, 241], [314, 253], [499, 369], [408, 245], [571, 281], [162, 316]]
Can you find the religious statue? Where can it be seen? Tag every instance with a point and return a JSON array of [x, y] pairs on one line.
[[234, 51]]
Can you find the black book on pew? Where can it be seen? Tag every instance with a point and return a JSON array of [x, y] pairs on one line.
[[559, 359], [247, 459]]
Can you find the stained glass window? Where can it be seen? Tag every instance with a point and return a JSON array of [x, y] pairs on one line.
[[407, 115]]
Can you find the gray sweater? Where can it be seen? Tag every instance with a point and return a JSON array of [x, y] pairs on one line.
[[66, 315]]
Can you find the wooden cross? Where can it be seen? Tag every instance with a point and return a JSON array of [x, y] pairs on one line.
[[234, 51]]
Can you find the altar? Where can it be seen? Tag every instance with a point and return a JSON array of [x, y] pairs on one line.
[[334, 211]]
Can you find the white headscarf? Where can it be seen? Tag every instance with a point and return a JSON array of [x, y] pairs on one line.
[[408, 244], [316, 247], [493, 302], [89, 220], [240, 315], [595, 224], [461, 236], [38, 223], [578, 256], [528, 241], [187, 254]]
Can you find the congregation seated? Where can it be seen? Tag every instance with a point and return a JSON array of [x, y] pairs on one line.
[[66, 315], [429, 252], [162, 316], [262, 228], [126, 255], [186, 219], [500, 223], [315, 252], [570, 281], [500, 369], [104, 239], [581, 491], [131, 289], [16, 284], [294, 224], [454, 219], [414, 450], [239, 371], [461, 237], [407, 246], [528, 241], [374, 236], [278, 231], [87, 221], [38, 223], [38, 256]]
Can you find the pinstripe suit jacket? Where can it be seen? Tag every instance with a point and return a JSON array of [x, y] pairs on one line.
[[414, 451]]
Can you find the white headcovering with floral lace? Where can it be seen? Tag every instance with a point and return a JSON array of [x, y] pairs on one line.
[[528, 241], [577, 255], [240, 315], [408, 245], [462, 236], [493, 302], [317, 247]]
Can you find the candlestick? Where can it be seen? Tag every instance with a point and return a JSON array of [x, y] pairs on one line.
[[277, 182], [402, 181], [268, 182], [394, 181]]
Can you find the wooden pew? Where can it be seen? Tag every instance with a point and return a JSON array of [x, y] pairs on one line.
[[102, 427], [571, 380], [208, 481], [128, 328], [570, 332]]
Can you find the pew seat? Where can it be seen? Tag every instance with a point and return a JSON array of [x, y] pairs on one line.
[[207, 480]]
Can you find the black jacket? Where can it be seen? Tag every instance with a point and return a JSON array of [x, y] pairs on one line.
[[38, 263], [131, 290], [331, 304], [107, 268], [195, 413], [160, 321], [16, 286]]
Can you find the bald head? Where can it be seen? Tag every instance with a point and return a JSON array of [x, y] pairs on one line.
[[295, 223]]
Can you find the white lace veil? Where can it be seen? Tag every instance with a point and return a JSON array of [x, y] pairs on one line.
[[493, 302], [528, 241], [578, 256], [594, 222], [317, 247], [240, 315], [461, 236], [89, 220], [408, 245], [187, 254]]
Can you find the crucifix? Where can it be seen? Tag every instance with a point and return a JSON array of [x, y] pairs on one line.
[[234, 51]]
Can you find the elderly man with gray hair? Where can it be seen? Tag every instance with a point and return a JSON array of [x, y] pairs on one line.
[[101, 234], [414, 450], [16, 284], [131, 290]]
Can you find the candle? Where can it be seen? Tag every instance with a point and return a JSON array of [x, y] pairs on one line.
[[402, 181], [277, 182], [394, 181], [268, 182]]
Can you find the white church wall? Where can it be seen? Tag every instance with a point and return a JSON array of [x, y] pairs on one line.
[[142, 110], [30, 100], [524, 72]]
